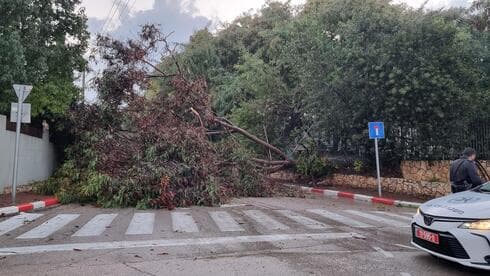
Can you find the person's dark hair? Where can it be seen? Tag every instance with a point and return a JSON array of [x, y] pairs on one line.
[[467, 152]]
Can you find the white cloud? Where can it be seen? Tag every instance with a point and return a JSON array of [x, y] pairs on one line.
[[227, 10]]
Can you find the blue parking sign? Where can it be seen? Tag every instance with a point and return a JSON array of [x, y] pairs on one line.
[[376, 130]]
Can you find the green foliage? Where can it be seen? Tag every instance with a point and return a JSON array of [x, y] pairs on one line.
[[312, 165], [358, 166], [42, 43], [245, 178], [327, 70]]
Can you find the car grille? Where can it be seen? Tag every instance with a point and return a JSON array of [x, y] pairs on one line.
[[448, 244]]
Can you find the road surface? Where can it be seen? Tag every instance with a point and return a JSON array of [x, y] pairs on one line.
[[251, 236]]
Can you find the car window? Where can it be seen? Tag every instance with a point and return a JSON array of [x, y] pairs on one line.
[[485, 188]]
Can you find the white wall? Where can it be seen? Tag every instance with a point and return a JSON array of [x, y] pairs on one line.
[[36, 157]]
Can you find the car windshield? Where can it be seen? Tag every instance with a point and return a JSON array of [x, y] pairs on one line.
[[485, 188]]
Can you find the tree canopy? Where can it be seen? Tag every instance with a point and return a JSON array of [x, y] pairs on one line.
[[317, 75], [42, 43]]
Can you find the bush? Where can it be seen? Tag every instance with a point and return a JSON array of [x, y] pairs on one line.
[[312, 165], [358, 166]]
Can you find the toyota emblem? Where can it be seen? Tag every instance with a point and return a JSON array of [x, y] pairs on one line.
[[428, 220]]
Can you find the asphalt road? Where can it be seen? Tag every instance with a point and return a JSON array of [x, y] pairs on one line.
[[252, 236]]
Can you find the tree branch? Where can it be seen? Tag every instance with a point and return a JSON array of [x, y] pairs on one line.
[[254, 138]]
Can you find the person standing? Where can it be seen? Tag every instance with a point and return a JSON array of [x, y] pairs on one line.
[[463, 173]]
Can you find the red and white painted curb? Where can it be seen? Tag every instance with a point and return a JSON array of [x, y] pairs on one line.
[[36, 205], [359, 197]]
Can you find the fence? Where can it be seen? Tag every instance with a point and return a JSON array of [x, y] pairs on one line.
[[410, 144], [36, 156]]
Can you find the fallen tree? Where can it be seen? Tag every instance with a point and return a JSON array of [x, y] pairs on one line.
[[165, 151]]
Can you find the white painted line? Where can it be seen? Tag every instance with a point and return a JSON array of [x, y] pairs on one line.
[[385, 253], [394, 215], [306, 189], [141, 224], [378, 218], [96, 225], [16, 222], [232, 205], [9, 210], [405, 274], [362, 197], [330, 193], [183, 222], [264, 220], [171, 243], [407, 204], [49, 227], [225, 222], [38, 204], [340, 218], [308, 222]]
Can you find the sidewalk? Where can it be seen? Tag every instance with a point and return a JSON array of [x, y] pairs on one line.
[[375, 199], [22, 197], [372, 192], [25, 202]]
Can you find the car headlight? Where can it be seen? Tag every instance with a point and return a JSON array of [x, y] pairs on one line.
[[476, 225], [418, 211]]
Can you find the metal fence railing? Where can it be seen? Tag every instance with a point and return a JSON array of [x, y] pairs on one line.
[[409, 144]]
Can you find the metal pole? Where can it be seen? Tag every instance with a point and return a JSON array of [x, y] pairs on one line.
[[17, 142], [377, 166]]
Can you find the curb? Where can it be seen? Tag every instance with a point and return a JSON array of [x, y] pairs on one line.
[[36, 205], [359, 197]]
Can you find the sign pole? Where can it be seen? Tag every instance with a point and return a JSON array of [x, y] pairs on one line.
[[377, 166], [17, 142], [22, 91], [376, 132]]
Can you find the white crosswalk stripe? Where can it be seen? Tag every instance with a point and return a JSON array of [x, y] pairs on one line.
[[225, 222], [141, 224], [378, 218], [339, 218], [264, 220], [308, 222], [183, 222], [16, 222], [407, 218], [96, 225], [49, 227]]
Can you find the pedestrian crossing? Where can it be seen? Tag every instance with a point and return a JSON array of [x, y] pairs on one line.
[[183, 222], [49, 227], [96, 226], [143, 223]]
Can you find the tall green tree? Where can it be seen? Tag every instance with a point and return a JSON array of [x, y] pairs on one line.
[[322, 72], [42, 43]]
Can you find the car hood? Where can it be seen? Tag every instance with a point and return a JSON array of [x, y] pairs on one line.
[[467, 205]]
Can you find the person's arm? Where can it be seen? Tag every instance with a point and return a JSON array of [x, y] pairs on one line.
[[473, 175]]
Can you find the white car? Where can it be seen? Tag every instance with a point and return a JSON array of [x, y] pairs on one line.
[[456, 227]]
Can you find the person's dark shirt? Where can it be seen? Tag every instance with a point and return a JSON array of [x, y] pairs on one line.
[[464, 170]]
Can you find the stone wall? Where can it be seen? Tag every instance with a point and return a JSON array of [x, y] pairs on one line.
[[420, 189], [432, 171], [422, 179]]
